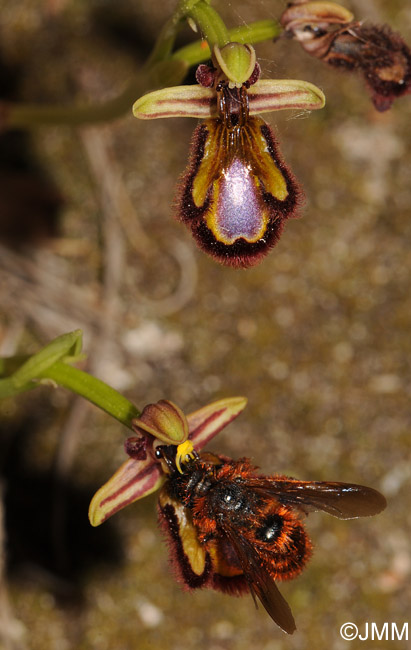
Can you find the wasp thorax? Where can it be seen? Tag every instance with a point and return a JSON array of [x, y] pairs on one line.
[[229, 497]]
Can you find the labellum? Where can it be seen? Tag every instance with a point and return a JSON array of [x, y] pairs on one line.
[[237, 190]]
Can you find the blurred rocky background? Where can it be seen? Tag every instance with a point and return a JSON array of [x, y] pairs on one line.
[[317, 337]]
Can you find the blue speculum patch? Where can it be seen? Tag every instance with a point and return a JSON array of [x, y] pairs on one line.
[[239, 211]]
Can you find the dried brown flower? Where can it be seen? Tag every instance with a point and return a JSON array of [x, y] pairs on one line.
[[380, 54]]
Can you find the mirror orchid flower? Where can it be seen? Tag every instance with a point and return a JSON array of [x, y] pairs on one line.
[[237, 190]]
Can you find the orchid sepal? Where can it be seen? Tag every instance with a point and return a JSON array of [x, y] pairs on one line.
[[133, 480], [164, 421], [236, 62]]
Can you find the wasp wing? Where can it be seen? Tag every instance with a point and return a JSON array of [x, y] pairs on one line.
[[342, 500], [259, 580]]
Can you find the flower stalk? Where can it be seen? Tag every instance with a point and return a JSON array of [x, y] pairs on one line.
[[210, 24], [257, 32], [52, 365]]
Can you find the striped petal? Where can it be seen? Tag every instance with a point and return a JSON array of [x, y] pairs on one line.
[[199, 102], [177, 101], [134, 480], [277, 94], [205, 423]]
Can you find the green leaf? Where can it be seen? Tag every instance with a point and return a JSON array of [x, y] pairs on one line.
[[51, 364], [67, 345]]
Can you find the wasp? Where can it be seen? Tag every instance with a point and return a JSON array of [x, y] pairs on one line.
[[236, 531]]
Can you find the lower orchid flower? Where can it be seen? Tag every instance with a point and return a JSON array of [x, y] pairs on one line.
[[228, 527]]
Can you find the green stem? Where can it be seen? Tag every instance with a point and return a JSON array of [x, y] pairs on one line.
[[94, 390], [32, 115], [262, 30], [158, 72], [210, 24], [9, 389]]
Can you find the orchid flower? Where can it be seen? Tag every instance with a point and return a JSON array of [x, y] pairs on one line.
[[237, 190], [163, 423]]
